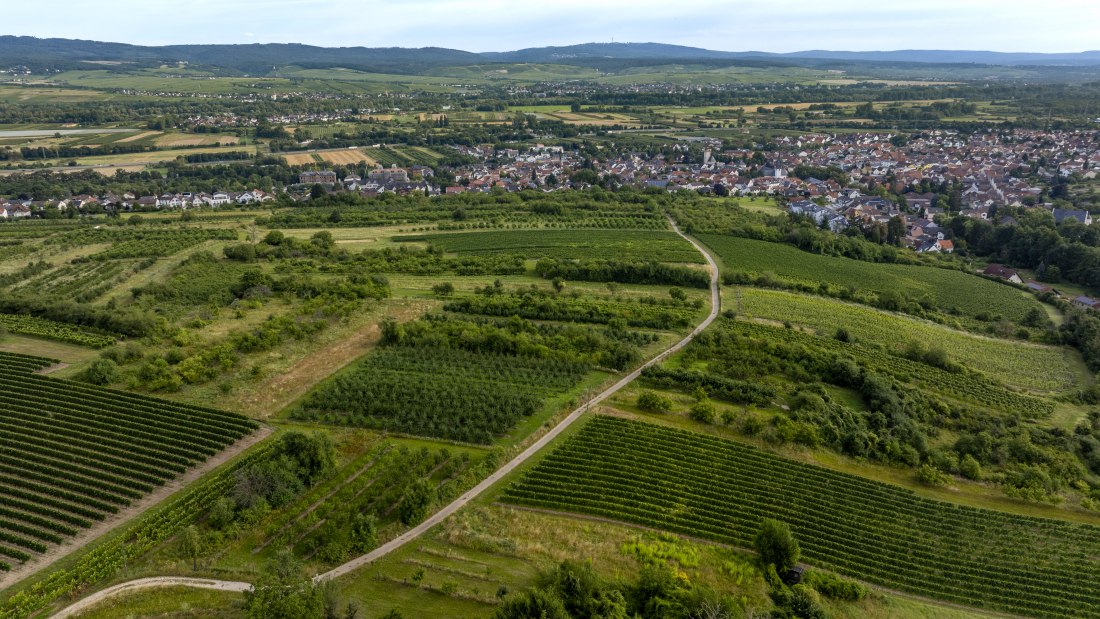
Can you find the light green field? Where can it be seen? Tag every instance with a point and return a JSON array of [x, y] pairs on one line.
[[1031, 366]]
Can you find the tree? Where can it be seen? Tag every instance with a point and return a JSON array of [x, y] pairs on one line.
[[191, 545], [282, 593], [414, 504], [777, 546], [317, 191], [895, 231]]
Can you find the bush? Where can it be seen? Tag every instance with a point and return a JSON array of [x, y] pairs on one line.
[[777, 546], [931, 476], [804, 603], [101, 372], [654, 403], [970, 468], [704, 412], [834, 587], [536, 603], [445, 289]]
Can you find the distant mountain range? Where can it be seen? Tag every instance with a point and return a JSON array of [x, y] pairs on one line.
[[266, 57]]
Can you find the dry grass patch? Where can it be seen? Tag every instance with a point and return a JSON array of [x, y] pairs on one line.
[[173, 140]]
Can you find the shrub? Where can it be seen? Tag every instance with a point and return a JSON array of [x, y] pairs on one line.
[[653, 402], [970, 468], [101, 372], [931, 476], [704, 412], [834, 587]]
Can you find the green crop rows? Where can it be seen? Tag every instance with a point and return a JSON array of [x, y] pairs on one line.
[[49, 329], [968, 387], [946, 289], [708, 487], [80, 282], [74, 453], [633, 245], [535, 306], [1030, 366], [454, 394]]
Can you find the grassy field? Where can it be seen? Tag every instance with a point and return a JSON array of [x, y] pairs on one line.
[[1031, 366], [946, 289], [635, 245], [158, 156]]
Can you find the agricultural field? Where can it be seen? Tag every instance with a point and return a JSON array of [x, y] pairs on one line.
[[460, 380], [178, 140], [657, 246], [52, 330], [297, 159], [1031, 366], [965, 387], [350, 157], [949, 290], [711, 488], [101, 452]]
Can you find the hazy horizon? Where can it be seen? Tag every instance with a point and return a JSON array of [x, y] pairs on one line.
[[783, 26]]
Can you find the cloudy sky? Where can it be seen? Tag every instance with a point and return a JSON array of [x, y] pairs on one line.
[[502, 25]]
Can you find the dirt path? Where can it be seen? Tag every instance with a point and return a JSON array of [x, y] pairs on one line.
[[538, 445], [149, 583], [283, 389], [72, 544], [476, 491]]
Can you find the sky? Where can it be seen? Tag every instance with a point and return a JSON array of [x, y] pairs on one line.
[[504, 25]]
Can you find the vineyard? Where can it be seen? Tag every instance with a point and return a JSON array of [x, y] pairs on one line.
[[115, 553], [142, 243], [49, 329], [371, 488], [950, 291], [536, 305], [453, 394], [721, 490], [1029, 366], [648, 246], [966, 387], [474, 211], [82, 282], [74, 454], [164, 245]]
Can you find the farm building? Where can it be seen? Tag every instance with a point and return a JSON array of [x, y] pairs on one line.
[[1002, 272]]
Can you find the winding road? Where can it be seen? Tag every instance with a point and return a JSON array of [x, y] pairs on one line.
[[454, 506]]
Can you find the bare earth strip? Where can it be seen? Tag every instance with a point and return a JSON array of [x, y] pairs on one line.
[[138, 508], [137, 136], [283, 389], [470, 495]]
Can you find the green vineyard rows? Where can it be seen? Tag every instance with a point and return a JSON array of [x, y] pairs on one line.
[[49, 329], [946, 289], [75, 453], [635, 245], [708, 487], [454, 394]]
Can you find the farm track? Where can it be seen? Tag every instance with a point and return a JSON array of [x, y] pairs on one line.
[[457, 504], [149, 501]]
